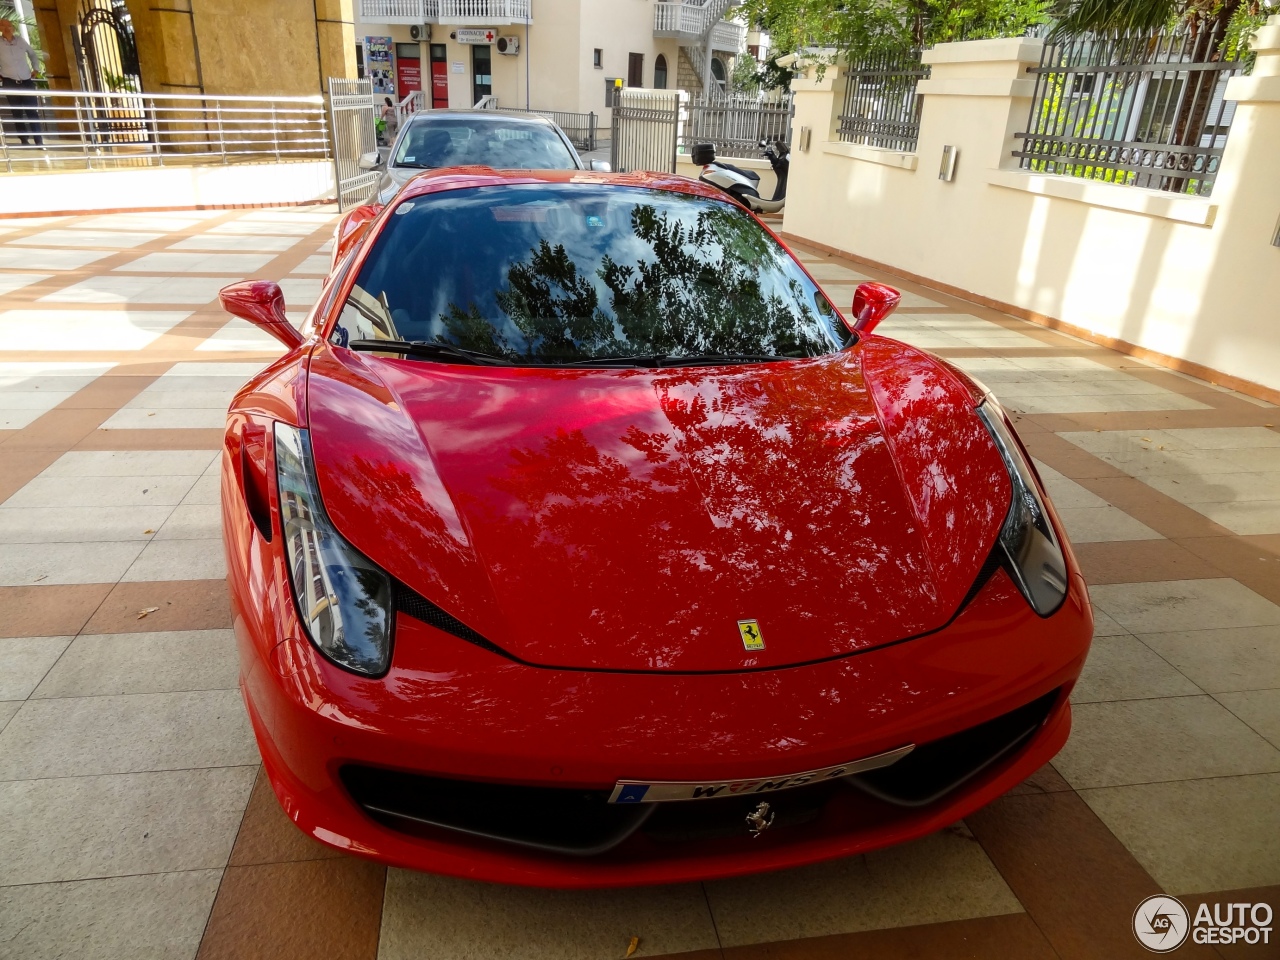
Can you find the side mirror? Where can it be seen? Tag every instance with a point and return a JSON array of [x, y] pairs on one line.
[[872, 302], [602, 166], [703, 154], [261, 303], [369, 161], [351, 228]]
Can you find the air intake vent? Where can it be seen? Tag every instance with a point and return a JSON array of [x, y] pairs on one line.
[[413, 604]]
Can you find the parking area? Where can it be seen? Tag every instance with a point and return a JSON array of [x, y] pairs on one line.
[[134, 820]]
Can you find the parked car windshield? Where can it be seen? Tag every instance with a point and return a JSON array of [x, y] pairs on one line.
[[498, 142], [564, 273]]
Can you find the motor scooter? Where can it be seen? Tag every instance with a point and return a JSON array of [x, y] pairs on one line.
[[744, 185]]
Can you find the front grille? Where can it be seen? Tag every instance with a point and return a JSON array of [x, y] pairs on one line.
[[934, 769], [584, 823]]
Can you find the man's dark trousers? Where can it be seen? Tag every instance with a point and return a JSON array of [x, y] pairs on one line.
[[26, 119]]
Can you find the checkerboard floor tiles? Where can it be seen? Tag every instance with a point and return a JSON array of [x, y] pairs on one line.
[[134, 818]]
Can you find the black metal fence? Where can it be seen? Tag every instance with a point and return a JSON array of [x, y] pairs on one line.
[[737, 124], [881, 107], [581, 128], [1136, 108]]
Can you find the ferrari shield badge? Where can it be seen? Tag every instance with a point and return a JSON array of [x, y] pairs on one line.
[[751, 638]]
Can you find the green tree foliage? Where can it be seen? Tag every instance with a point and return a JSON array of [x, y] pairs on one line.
[[858, 28]]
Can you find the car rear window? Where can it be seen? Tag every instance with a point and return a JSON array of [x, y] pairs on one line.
[[562, 273], [498, 143]]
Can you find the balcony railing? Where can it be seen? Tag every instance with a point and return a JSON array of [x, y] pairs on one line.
[[683, 20], [730, 36], [454, 12]]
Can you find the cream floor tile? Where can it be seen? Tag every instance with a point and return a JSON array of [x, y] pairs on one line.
[[1149, 741], [1107, 403], [922, 337], [225, 371], [1151, 453], [1259, 458], [159, 917], [208, 490], [178, 419], [138, 221], [123, 288], [197, 262], [91, 736], [27, 564], [24, 661], [78, 828], [26, 223], [179, 560], [197, 521], [10, 282], [1195, 836], [7, 709], [1103, 524], [81, 524], [1068, 369], [449, 919], [130, 463], [242, 335], [191, 398], [316, 265], [1104, 626], [1223, 488], [251, 228], [945, 876], [1260, 709], [300, 293], [1223, 661], [86, 238], [288, 215], [104, 491], [1165, 606], [1223, 438], [30, 390], [1065, 492], [326, 248], [1251, 518], [218, 243], [1123, 668], [79, 330], [833, 273], [128, 663]]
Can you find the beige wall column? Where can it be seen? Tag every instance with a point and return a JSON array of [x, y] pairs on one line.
[[336, 39], [58, 68]]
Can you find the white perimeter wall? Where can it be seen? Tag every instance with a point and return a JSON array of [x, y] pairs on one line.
[[1194, 279], [157, 187]]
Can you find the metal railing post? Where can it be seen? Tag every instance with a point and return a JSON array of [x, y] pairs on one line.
[[222, 137], [84, 140], [275, 133]]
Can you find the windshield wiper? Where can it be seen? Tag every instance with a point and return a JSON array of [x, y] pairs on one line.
[[671, 360], [414, 166], [429, 351]]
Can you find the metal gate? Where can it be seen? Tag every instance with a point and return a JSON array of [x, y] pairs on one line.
[[106, 52], [352, 122], [646, 127]]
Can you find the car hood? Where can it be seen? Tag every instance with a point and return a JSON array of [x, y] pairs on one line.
[[632, 519]]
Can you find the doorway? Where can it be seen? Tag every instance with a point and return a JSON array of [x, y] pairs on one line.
[[439, 77], [635, 70], [408, 69], [481, 71]]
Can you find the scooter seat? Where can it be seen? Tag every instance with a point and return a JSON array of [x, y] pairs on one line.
[[749, 174]]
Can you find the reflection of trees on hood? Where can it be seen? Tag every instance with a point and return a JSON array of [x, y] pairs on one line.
[[694, 293]]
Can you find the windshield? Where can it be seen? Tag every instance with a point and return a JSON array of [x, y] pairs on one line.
[[563, 273], [493, 142]]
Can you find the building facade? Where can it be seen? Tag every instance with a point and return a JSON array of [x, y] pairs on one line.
[[544, 54]]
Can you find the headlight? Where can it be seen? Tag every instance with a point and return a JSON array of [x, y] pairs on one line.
[[343, 599], [1028, 540]]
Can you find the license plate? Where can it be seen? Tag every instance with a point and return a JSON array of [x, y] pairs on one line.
[[660, 791]]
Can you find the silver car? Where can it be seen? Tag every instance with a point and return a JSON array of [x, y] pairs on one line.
[[453, 138]]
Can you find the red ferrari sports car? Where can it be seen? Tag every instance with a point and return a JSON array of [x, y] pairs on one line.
[[579, 540]]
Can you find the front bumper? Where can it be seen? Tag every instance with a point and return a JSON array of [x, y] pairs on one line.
[[448, 709]]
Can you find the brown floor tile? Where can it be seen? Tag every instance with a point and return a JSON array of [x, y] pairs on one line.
[[195, 438], [1044, 780], [60, 429], [1011, 937], [1161, 513], [19, 466], [267, 835], [182, 605], [1077, 881], [1254, 561], [1141, 561], [1240, 951], [53, 611], [281, 911]]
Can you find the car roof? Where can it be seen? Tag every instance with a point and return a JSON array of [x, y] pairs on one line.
[[472, 177]]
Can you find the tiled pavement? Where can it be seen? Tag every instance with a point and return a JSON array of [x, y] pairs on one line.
[[133, 818]]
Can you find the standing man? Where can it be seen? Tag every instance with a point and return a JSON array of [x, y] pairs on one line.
[[19, 66]]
